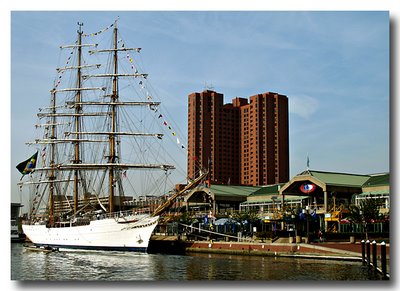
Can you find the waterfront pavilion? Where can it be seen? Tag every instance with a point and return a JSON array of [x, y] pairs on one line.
[[328, 193]]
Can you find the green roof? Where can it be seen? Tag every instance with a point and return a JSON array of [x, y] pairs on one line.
[[269, 189], [338, 179], [227, 190], [329, 178], [378, 180]]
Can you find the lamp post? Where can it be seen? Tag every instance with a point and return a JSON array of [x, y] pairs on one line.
[[306, 212], [364, 224], [293, 221], [273, 206]]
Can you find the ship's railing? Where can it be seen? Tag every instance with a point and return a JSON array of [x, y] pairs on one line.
[[85, 218], [97, 215]]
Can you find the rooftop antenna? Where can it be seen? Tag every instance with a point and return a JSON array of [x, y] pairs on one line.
[[208, 86]]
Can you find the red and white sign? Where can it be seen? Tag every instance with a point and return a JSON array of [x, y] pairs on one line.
[[307, 188]]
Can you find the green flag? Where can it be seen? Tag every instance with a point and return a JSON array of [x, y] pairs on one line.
[[27, 166]]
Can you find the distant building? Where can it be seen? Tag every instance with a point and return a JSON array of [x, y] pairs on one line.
[[16, 232], [265, 140], [241, 143]]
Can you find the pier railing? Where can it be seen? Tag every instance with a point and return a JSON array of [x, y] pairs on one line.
[[185, 229], [370, 257], [201, 230]]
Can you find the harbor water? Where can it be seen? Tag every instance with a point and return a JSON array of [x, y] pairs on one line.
[[123, 266]]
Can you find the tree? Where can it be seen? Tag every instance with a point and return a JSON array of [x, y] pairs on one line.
[[251, 217], [185, 218], [366, 213]]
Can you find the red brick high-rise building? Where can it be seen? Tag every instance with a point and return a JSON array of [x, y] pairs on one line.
[[241, 143]]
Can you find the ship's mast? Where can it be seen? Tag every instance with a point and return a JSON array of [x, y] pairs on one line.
[[78, 136], [77, 118], [52, 161], [114, 99]]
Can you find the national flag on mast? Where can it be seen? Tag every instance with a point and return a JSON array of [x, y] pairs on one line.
[[27, 166]]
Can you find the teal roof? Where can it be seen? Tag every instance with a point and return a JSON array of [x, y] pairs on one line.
[[269, 189], [338, 179], [329, 178], [378, 180], [227, 190]]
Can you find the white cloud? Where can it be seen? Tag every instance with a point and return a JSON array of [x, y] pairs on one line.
[[303, 105]]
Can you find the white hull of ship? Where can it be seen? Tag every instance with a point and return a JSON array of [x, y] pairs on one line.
[[124, 234]]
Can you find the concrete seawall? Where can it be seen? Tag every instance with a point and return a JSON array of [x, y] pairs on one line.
[[173, 244], [272, 249]]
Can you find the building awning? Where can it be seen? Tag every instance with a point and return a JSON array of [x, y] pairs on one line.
[[374, 193], [269, 200]]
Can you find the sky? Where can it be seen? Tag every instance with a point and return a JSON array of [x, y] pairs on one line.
[[332, 65]]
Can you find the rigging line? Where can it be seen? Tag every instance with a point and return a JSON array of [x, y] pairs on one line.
[[35, 207], [131, 83], [82, 181], [147, 84], [59, 75], [58, 65], [162, 109], [166, 180], [97, 192], [102, 30], [131, 66], [118, 181], [170, 155], [154, 188], [65, 192], [157, 188], [128, 180], [172, 126], [146, 155], [147, 94], [152, 143], [133, 123], [101, 182]]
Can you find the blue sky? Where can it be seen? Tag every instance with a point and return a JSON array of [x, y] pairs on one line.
[[333, 66]]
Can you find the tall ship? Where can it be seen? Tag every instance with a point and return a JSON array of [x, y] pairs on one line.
[[93, 152]]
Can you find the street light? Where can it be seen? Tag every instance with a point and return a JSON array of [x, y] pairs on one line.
[[273, 206], [306, 212]]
